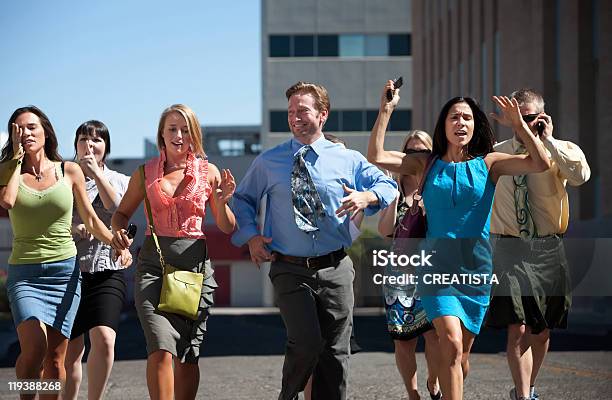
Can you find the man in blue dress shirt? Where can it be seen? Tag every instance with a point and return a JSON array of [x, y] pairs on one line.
[[304, 235]]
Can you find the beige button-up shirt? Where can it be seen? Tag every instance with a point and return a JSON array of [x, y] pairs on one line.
[[547, 195]]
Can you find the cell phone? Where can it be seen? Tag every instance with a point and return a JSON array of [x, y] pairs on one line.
[[540, 128], [396, 85], [131, 231]]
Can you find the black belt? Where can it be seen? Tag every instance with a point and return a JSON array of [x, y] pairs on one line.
[[554, 235], [538, 243], [327, 260]]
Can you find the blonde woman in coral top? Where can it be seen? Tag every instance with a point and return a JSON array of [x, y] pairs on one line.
[[179, 183]]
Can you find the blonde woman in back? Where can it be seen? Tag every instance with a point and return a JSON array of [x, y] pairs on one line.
[[400, 302]]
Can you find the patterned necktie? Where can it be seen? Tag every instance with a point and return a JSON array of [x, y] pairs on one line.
[[527, 228], [307, 204]]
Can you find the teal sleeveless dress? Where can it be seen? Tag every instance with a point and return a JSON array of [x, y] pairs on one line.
[[458, 199]]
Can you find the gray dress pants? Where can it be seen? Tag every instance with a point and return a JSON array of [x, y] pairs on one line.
[[317, 309]]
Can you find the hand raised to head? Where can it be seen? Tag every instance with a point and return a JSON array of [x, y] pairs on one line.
[[16, 135], [510, 112]]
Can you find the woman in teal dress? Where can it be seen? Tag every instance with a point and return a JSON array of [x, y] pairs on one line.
[[458, 195]]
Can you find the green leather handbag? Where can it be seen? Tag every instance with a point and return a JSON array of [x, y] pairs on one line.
[[181, 290]]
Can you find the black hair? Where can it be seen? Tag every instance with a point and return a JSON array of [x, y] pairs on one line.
[[50, 137], [483, 139], [91, 128]]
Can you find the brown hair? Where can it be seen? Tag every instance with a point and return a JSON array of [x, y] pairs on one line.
[[483, 139], [318, 92], [50, 138], [195, 131]]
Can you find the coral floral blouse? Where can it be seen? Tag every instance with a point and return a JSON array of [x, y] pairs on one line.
[[183, 215]]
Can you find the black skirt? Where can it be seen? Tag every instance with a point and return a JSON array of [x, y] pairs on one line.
[[102, 299]]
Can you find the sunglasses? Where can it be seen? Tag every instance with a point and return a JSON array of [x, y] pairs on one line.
[[530, 117], [412, 151]]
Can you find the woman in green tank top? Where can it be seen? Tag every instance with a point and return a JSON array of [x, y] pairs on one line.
[[43, 281]]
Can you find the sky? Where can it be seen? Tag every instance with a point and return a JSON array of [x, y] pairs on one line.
[[123, 62]]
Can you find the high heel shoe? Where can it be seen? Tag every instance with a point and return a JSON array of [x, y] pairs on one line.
[[437, 396]]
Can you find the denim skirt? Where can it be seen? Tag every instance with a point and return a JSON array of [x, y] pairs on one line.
[[48, 292]]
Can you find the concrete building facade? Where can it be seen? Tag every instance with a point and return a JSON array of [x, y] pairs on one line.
[[352, 47], [560, 48], [349, 46]]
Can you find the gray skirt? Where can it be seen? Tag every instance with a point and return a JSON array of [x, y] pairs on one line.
[[180, 336]]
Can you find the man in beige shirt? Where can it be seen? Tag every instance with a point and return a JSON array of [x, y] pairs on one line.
[[530, 215]]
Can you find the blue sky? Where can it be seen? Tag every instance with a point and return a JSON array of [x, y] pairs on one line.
[[123, 62]]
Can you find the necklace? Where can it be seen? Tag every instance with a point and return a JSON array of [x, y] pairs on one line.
[[38, 175]]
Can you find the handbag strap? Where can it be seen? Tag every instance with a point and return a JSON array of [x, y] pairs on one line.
[[418, 195], [149, 214], [414, 208]]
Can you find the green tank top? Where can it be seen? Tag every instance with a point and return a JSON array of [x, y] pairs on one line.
[[41, 223]]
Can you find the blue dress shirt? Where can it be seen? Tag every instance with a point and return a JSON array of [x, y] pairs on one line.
[[330, 165]]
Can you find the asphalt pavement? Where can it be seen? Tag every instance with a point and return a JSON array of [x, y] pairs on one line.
[[242, 359]]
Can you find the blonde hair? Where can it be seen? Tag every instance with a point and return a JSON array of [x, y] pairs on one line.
[[195, 131], [414, 134], [318, 92], [420, 135]]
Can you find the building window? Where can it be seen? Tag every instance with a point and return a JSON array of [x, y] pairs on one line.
[[399, 45], [371, 116], [349, 45], [401, 120], [278, 121], [231, 147], [280, 46], [376, 45], [333, 122], [352, 120], [303, 46], [327, 45], [255, 148], [348, 121], [352, 45]]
